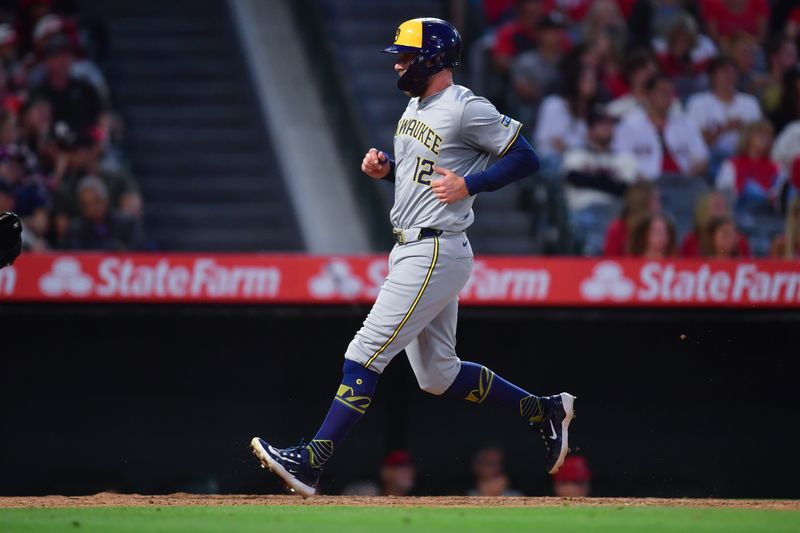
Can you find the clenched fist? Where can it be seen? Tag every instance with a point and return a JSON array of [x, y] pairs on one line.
[[375, 164], [450, 188]]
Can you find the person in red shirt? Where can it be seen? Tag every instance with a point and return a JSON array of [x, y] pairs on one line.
[[684, 54], [751, 176], [518, 35], [652, 237], [725, 18], [698, 242], [640, 199], [723, 238]]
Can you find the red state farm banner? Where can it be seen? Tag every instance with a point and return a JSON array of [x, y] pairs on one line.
[[302, 279]]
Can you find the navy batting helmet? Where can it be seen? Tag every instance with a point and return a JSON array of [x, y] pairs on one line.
[[10, 238], [437, 45]]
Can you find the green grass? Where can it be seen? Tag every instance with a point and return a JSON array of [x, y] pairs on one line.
[[306, 518]]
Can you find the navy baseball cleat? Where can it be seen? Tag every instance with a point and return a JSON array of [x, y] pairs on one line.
[[560, 410], [291, 464]]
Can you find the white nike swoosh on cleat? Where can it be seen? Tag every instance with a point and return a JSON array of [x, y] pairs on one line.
[[554, 436], [294, 484]]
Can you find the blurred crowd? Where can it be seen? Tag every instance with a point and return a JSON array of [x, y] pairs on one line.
[[666, 127], [61, 168], [397, 476]]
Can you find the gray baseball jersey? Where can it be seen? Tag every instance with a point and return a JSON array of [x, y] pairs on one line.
[[417, 307], [453, 129]]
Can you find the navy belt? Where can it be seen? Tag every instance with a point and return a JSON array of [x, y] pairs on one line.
[[424, 233]]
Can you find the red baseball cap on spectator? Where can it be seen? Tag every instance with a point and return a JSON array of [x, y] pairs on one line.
[[574, 470], [398, 458]]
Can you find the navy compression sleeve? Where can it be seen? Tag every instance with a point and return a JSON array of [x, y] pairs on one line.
[[519, 161]]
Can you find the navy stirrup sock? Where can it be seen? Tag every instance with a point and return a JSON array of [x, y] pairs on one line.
[[350, 403], [476, 383]]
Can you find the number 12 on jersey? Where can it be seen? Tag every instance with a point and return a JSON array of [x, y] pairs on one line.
[[423, 171]]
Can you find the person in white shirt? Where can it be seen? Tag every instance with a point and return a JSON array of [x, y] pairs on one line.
[[787, 146], [661, 137], [638, 67], [721, 112], [562, 117], [596, 174], [596, 177]]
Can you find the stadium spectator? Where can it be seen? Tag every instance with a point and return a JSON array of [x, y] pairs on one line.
[[7, 200], [605, 31], [30, 13], [684, 54], [641, 199], [650, 18], [698, 242], [725, 18], [786, 150], [518, 35], [34, 230], [53, 31], [596, 178], [77, 158], [638, 67], [8, 53], [36, 117], [744, 53], [497, 11], [723, 238], [781, 58], [8, 127], [721, 112], [562, 117], [575, 10], [573, 479], [74, 102], [594, 173], [398, 474], [652, 237], [661, 138], [602, 54], [787, 245], [99, 227], [535, 74], [490, 477], [751, 177], [788, 109], [605, 17]]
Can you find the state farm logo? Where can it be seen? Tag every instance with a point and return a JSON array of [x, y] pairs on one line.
[[608, 281], [336, 278], [66, 277], [115, 277], [507, 283], [714, 283]]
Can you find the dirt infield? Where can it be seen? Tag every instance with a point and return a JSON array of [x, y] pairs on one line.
[[118, 500]]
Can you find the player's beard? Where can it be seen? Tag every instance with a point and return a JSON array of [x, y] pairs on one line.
[[419, 91]]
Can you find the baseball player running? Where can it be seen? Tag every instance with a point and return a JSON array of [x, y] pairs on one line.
[[442, 146]]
